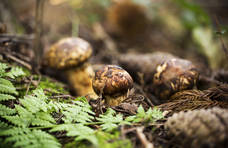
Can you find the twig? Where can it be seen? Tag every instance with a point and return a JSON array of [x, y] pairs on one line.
[[39, 79], [16, 38], [142, 137], [29, 85], [25, 58], [18, 61], [144, 94], [38, 50], [62, 96], [220, 37]]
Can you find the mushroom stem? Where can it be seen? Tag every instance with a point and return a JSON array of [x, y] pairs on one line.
[[114, 100], [80, 79]]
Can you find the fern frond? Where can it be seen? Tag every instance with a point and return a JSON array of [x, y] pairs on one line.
[[111, 120], [6, 82], [4, 110], [5, 97], [74, 113], [3, 125], [45, 116], [85, 107], [27, 138], [15, 72], [146, 116], [40, 122], [33, 104], [108, 140], [3, 68], [17, 120], [7, 87], [62, 127], [25, 118], [79, 131], [39, 93]]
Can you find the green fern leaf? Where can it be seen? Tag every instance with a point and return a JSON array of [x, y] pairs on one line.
[[74, 113], [107, 140], [40, 122], [85, 107], [3, 125], [45, 116], [7, 87], [17, 120], [25, 118], [15, 72], [39, 93], [149, 116], [27, 138], [5, 97], [3, 67], [79, 131], [111, 120], [6, 82], [4, 110], [33, 104]]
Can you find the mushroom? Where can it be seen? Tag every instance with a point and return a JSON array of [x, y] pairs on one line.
[[112, 83], [161, 73], [127, 19], [71, 55], [172, 76]]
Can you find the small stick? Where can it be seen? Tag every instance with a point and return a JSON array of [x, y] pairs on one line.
[[144, 94], [31, 78], [220, 37], [16, 38], [38, 50], [62, 96], [142, 137], [19, 61]]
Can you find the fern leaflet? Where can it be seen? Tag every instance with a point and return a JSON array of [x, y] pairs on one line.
[[15, 72], [149, 116], [4, 110], [111, 120], [5, 97], [79, 131], [27, 138], [3, 68], [7, 87]]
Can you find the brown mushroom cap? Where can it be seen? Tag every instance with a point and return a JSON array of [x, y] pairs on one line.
[[172, 76], [112, 80], [68, 52]]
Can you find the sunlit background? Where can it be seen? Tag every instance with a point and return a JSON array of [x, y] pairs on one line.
[[188, 28]]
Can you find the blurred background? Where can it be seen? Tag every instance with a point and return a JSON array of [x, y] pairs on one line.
[[191, 29]]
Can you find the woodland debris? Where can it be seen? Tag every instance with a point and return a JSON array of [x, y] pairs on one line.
[[199, 128]]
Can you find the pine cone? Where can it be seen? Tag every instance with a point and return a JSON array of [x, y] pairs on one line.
[[199, 128]]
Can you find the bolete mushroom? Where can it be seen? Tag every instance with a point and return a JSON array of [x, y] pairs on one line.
[[112, 83], [162, 74], [71, 55], [172, 76]]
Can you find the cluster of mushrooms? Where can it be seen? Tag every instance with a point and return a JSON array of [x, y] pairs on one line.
[[165, 73], [110, 82]]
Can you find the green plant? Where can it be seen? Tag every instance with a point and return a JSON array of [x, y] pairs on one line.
[[35, 120], [110, 120], [146, 116]]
